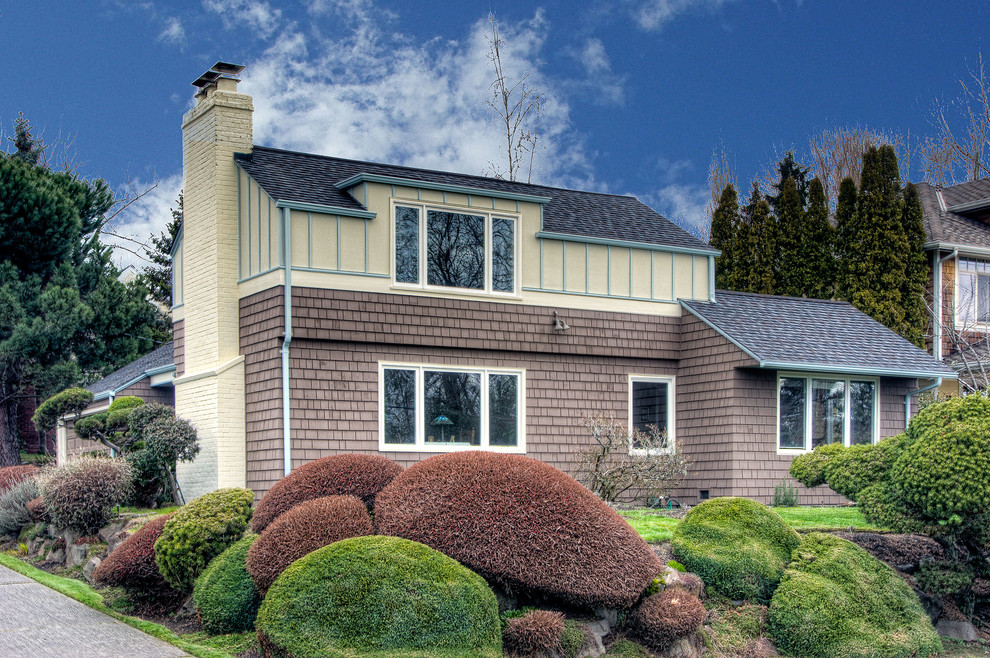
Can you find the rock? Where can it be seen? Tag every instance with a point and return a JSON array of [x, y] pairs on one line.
[[611, 615], [957, 629], [690, 646], [90, 568], [57, 555], [116, 540], [77, 554], [594, 631], [188, 609], [70, 536], [109, 530], [671, 577]]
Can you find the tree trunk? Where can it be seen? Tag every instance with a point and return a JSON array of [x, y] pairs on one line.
[[10, 444]]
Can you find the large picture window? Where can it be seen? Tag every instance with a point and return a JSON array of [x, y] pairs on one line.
[[974, 291], [442, 408], [651, 404], [443, 248], [814, 411]]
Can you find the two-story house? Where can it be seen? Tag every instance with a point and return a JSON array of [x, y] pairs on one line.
[[957, 227], [324, 305]]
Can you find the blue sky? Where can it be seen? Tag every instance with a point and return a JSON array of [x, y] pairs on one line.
[[640, 91]]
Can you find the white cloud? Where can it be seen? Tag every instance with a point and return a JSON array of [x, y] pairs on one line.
[[256, 15], [600, 82], [652, 14], [133, 228], [685, 205], [173, 32]]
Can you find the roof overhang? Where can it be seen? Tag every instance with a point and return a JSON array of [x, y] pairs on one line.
[[326, 210], [969, 206], [160, 377], [628, 244], [961, 248], [357, 179]]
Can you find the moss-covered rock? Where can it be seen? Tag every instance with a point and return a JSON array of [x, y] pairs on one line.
[[379, 595], [737, 546], [836, 600], [225, 596]]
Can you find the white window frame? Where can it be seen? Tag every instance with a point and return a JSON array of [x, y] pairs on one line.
[[421, 445], [488, 215], [847, 417], [669, 380], [967, 302]]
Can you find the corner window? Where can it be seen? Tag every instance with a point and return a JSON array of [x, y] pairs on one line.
[[443, 248], [973, 281], [651, 404], [444, 409], [815, 411]]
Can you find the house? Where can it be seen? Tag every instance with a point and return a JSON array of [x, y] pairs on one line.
[[957, 228], [325, 305]]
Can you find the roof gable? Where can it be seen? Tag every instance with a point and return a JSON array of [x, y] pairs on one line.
[[950, 227], [307, 178], [136, 370]]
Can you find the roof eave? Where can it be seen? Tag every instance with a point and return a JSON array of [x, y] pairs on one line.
[[442, 187], [857, 370], [631, 244]]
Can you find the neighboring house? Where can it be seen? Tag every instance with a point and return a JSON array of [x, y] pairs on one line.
[[325, 305], [149, 377], [957, 227]]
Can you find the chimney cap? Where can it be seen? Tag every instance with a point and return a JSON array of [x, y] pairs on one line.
[[217, 71], [227, 69]]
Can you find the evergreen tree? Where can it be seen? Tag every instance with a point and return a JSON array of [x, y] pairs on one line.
[[763, 249], [789, 168], [725, 225], [916, 269], [64, 314], [819, 244], [793, 275], [27, 148], [875, 253], [844, 212], [157, 277]]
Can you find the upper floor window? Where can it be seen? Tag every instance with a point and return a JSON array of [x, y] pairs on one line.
[[974, 290], [816, 411], [443, 248]]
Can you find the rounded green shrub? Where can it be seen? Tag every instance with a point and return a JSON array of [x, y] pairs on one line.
[[858, 467], [809, 468], [379, 595], [738, 547], [838, 601], [225, 596], [200, 531]]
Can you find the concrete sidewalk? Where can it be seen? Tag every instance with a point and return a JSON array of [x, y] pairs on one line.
[[36, 622]]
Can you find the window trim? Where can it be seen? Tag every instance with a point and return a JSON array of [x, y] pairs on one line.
[[808, 378], [420, 445], [972, 305], [670, 380], [488, 215]]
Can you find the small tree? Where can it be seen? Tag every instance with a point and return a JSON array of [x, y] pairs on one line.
[[611, 469], [725, 227]]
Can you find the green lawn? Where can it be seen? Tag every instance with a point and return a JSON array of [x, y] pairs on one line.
[[654, 527]]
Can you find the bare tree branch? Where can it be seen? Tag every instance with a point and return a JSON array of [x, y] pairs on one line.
[[961, 151]]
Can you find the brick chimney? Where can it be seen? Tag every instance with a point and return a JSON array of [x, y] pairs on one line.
[[209, 393]]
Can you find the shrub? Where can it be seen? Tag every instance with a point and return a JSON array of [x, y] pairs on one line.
[[14, 511], [302, 530], [522, 524], [880, 504], [357, 475], [225, 597], [80, 494], [11, 475], [143, 415], [536, 632], [662, 618], [784, 495], [859, 467], [738, 546], [132, 564], [69, 402], [199, 532], [36, 508], [378, 594], [609, 470], [809, 468], [149, 483], [944, 577], [837, 600]]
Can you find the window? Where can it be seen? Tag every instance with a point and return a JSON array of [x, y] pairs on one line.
[[974, 291], [651, 402], [443, 248], [815, 411], [439, 408]]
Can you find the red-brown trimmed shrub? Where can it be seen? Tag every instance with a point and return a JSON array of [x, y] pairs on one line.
[[132, 564], [36, 508], [11, 475], [662, 618], [536, 632], [357, 475], [522, 525], [303, 529]]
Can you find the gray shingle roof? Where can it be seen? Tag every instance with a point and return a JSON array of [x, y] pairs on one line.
[[815, 335], [954, 228], [159, 357], [308, 178]]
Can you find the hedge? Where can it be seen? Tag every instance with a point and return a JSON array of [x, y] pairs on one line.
[[224, 595]]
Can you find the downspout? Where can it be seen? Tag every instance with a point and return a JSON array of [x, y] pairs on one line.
[[907, 399], [286, 340], [110, 397]]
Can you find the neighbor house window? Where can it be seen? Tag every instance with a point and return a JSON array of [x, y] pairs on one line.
[[651, 404], [447, 408], [813, 411], [464, 249], [974, 291]]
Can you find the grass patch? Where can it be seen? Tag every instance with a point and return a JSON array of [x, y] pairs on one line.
[[233, 643], [83, 593], [141, 511], [655, 528]]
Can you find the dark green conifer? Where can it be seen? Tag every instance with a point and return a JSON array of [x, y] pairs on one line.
[[792, 276], [916, 269], [819, 245], [845, 209], [725, 225], [763, 249]]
